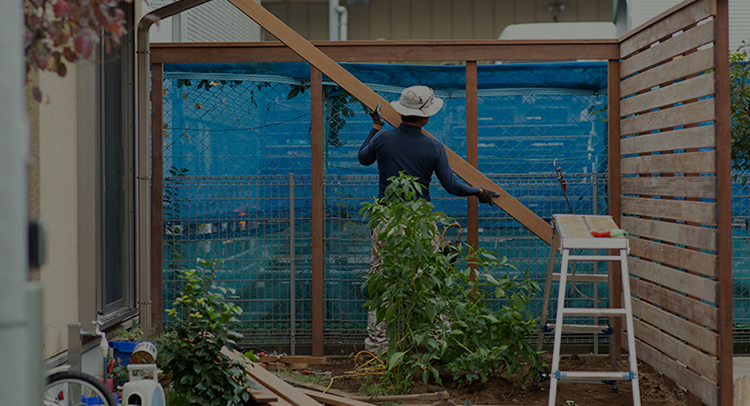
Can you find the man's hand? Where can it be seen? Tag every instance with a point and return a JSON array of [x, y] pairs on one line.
[[485, 196], [377, 118]]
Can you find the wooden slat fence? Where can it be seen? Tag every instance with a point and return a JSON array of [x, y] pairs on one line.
[[670, 198]]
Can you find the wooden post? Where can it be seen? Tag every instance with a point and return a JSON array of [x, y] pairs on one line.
[[724, 199], [613, 111], [157, 190], [318, 222], [472, 209]]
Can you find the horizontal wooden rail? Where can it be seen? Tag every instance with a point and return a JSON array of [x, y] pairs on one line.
[[388, 51]]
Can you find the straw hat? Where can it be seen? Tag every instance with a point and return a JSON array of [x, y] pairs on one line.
[[417, 101]]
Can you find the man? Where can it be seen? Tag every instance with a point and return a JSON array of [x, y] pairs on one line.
[[405, 148]]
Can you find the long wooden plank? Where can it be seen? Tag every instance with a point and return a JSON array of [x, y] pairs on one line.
[[663, 25], [694, 285], [387, 51], [664, 51], [699, 312], [691, 236], [694, 359], [686, 186], [271, 381], [678, 373], [371, 99], [333, 400], [677, 68], [685, 138], [693, 261], [693, 88], [694, 334], [690, 162], [690, 113], [698, 212]]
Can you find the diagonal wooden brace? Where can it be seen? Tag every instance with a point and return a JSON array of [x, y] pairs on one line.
[[368, 97]]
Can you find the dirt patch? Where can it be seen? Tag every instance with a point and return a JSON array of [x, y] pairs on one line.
[[502, 391]]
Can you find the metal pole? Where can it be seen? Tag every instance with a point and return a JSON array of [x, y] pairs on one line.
[[292, 270], [14, 155], [333, 20]]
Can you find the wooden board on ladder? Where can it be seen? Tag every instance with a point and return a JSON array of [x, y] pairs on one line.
[[368, 97], [573, 232]]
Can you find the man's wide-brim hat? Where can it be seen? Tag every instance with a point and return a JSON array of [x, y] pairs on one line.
[[417, 101]]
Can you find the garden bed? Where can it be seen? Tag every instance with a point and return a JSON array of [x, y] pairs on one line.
[[502, 391]]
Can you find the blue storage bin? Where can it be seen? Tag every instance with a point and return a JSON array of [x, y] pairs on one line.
[[123, 350]]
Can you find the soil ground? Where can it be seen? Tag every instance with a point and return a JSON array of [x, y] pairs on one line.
[[502, 391]]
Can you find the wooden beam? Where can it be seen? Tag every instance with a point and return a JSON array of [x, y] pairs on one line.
[[318, 211], [157, 193], [472, 152], [724, 199], [371, 99], [615, 209], [386, 51]]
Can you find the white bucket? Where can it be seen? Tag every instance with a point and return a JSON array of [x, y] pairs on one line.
[[144, 353]]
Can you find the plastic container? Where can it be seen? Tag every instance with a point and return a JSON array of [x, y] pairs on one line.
[[144, 353], [123, 350]]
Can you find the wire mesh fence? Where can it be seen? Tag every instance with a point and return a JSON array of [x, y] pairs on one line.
[[237, 187]]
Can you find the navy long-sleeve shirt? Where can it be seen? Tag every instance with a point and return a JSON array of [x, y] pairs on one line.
[[406, 148]]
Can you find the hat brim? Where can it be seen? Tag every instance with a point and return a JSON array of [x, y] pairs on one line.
[[437, 104]]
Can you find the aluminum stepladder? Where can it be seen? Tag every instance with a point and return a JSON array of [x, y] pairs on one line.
[[573, 232]]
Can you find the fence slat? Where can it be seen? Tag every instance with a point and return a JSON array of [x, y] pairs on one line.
[[691, 113], [664, 51], [678, 373], [685, 138], [693, 88], [698, 212], [690, 162], [694, 285], [694, 261], [677, 68], [699, 187], [699, 312], [692, 333], [698, 237], [665, 24], [694, 359]]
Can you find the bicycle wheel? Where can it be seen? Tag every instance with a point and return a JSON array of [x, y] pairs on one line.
[[72, 388]]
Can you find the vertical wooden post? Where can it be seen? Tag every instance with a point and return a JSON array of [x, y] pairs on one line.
[[613, 111], [472, 210], [157, 190], [318, 223], [724, 199]]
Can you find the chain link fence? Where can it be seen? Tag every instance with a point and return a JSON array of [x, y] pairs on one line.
[[237, 187]]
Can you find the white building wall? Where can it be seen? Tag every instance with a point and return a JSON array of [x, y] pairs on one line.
[[215, 21]]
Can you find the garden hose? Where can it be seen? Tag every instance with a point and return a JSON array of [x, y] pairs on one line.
[[361, 370]]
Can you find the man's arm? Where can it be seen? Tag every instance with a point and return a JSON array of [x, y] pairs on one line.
[[448, 180], [366, 152]]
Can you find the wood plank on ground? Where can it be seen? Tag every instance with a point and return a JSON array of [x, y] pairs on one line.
[[271, 381], [683, 210], [685, 138], [699, 312], [694, 285], [368, 97]]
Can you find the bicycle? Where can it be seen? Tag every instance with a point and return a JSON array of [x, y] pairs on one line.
[[64, 387]]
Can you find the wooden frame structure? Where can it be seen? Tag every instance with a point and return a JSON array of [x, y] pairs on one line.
[[669, 153]]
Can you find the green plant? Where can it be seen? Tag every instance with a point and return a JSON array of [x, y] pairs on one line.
[[739, 82], [438, 312], [190, 349]]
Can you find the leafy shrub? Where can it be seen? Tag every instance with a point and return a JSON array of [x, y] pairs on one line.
[[190, 348], [436, 306]]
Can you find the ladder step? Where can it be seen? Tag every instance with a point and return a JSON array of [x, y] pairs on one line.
[[581, 328], [594, 258], [591, 311], [562, 375], [583, 277]]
